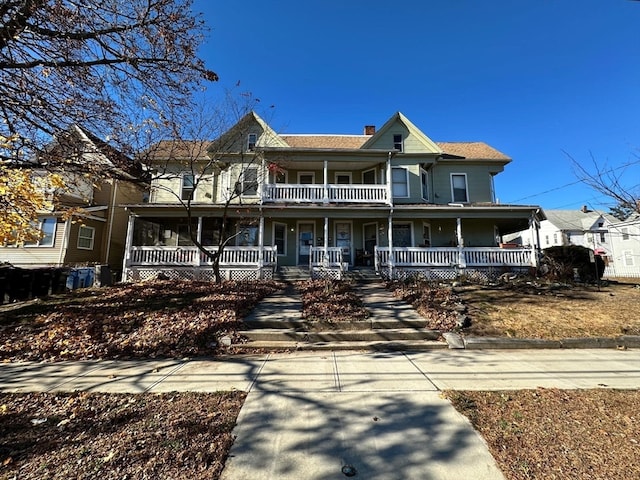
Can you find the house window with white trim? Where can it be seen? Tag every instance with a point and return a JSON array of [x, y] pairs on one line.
[[252, 139], [397, 142], [47, 229], [369, 177], [401, 235], [187, 189], [426, 234], [250, 182], [86, 237], [399, 182], [627, 256], [280, 237], [424, 182], [306, 178], [343, 178], [247, 236], [625, 233], [459, 193]]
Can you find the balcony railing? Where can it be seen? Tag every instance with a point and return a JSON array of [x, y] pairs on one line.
[[454, 257], [318, 193], [162, 256]]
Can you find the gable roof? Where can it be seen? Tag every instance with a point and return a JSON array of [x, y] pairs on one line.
[[572, 219], [398, 117], [324, 141], [474, 150]]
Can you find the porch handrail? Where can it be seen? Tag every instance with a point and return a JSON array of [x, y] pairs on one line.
[[450, 256], [314, 193], [329, 257], [192, 256]]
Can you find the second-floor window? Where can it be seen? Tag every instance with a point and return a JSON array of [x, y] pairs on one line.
[[248, 184], [187, 187], [47, 228], [399, 182], [625, 233], [459, 192], [424, 182], [397, 142], [86, 237]]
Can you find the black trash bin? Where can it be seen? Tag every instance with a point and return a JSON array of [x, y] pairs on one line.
[[20, 284], [42, 282]]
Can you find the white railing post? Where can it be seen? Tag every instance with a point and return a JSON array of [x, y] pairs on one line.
[[127, 247]]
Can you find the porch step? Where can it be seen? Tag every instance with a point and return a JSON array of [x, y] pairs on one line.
[[371, 335], [292, 274], [382, 346], [362, 274], [268, 322]]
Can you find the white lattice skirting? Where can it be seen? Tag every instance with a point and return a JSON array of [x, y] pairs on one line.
[[200, 274], [475, 274]]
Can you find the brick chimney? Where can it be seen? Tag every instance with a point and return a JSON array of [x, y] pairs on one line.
[[369, 129]]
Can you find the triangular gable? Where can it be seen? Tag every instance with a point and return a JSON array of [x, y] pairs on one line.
[[415, 141], [250, 123]]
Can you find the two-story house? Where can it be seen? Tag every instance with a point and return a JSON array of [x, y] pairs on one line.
[[624, 248], [95, 231], [390, 198]]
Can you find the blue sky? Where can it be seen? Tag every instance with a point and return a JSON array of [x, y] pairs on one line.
[[532, 78]]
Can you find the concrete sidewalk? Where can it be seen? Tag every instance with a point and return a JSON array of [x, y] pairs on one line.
[[311, 414]]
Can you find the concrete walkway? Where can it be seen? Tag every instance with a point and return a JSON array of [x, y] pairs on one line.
[[311, 414]]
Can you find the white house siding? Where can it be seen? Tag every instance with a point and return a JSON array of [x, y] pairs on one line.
[[625, 249], [35, 256]]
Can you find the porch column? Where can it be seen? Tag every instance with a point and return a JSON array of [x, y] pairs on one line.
[[533, 232], [326, 236], [390, 240], [261, 244], [325, 189], [460, 240], [389, 182], [127, 246]]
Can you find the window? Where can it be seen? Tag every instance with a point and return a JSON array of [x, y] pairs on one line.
[[627, 255], [306, 178], [424, 181], [252, 139], [343, 178], [401, 235], [47, 227], [602, 238], [369, 177], [546, 239], [399, 182], [625, 233], [397, 142], [426, 234], [250, 182], [188, 184], [280, 237], [459, 187], [555, 238], [279, 177], [184, 238], [85, 237], [247, 236]]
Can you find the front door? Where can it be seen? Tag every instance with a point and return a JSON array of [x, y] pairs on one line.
[[343, 240], [370, 242], [305, 242]]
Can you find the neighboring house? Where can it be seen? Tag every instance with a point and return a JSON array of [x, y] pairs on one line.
[[625, 248], [391, 199], [617, 242], [95, 233]]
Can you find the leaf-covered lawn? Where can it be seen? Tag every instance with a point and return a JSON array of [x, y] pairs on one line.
[[116, 436], [143, 320], [558, 434]]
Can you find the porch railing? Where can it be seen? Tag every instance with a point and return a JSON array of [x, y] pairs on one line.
[[192, 256], [331, 257], [317, 193], [453, 256]]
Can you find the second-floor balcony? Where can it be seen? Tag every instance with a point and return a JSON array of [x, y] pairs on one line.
[[321, 193]]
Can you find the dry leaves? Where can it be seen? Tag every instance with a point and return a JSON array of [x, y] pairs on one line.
[[145, 320]]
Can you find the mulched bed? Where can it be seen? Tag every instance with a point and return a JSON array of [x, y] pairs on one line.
[[330, 301], [558, 434], [143, 320], [116, 436]]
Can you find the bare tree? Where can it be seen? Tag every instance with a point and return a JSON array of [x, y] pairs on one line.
[[97, 63], [206, 145], [619, 183]]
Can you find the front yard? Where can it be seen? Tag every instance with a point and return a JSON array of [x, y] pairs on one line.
[[532, 434]]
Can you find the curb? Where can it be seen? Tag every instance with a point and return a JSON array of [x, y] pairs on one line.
[[457, 341]]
